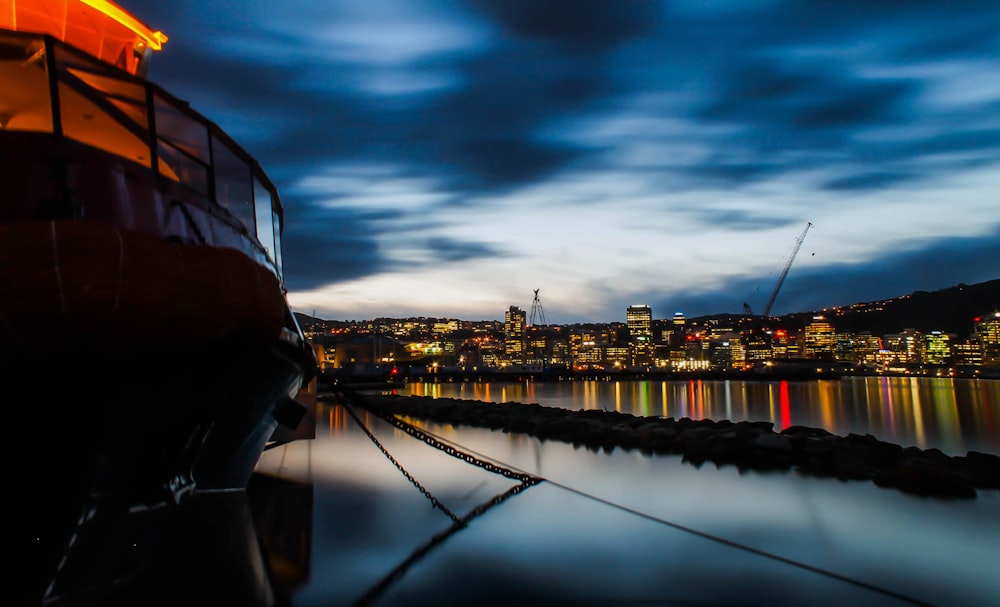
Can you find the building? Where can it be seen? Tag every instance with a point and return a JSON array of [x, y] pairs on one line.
[[820, 339], [904, 347], [515, 344], [988, 335], [967, 353], [639, 320], [937, 348]]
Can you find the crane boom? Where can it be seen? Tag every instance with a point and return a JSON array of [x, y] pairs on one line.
[[788, 264]]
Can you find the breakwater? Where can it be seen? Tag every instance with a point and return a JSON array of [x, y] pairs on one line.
[[748, 445]]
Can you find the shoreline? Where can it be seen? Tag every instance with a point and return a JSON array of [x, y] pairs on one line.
[[447, 376], [746, 445]]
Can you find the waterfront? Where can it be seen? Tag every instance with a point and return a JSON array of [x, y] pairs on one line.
[[626, 528]]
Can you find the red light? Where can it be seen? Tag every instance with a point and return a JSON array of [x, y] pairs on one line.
[[976, 319]]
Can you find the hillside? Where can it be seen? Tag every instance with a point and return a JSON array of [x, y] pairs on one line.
[[949, 310]]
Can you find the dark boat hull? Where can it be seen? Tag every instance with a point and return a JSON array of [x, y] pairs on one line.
[[135, 388]]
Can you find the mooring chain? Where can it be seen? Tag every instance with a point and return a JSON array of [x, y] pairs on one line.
[[471, 459], [434, 501]]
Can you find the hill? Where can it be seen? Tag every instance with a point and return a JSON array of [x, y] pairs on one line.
[[950, 310]]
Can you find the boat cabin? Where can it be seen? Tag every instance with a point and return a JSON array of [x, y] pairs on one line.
[[84, 135]]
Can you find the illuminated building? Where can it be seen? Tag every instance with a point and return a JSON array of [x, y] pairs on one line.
[[616, 357], [967, 353], [639, 319], [720, 353], [642, 354], [820, 338], [560, 352], [988, 333], [514, 324], [780, 340], [866, 348], [904, 347], [757, 346], [937, 348]]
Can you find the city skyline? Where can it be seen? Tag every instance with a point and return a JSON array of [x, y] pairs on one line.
[[448, 158]]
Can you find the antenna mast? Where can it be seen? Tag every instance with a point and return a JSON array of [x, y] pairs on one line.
[[536, 311]]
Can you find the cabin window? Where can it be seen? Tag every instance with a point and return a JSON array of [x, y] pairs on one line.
[[25, 102], [276, 224], [182, 145], [233, 184], [100, 108], [265, 227]]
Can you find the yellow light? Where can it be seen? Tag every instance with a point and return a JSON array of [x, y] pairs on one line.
[[154, 39]]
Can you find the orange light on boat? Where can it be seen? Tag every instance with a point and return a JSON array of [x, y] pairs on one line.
[[154, 40]]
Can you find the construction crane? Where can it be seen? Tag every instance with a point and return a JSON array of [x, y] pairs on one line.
[[784, 273]]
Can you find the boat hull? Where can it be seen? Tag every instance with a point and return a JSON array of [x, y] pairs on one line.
[[140, 371]]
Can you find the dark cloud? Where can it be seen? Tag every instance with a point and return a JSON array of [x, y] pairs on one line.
[[866, 181], [450, 250], [809, 108], [326, 246], [852, 91], [590, 26], [740, 220]]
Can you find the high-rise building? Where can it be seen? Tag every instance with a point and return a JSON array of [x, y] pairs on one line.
[[904, 347], [967, 353], [937, 348], [866, 348], [988, 334], [639, 320], [820, 338], [514, 343]]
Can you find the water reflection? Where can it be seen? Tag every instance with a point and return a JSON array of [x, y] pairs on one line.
[[600, 530], [954, 415]]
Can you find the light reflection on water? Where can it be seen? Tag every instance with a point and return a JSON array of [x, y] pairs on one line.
[[954, 415], [549, 544]]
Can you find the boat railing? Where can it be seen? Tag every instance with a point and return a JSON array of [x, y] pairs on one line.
[[51, 87]]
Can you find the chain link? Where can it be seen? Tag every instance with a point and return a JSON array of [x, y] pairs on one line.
[[434, 501]]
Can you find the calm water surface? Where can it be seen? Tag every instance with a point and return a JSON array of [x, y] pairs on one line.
[[622, 528], [954, 415]]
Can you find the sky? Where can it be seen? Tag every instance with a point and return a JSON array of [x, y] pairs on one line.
[[446, 158]]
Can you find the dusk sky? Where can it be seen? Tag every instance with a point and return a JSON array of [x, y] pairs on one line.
[[447, 158]]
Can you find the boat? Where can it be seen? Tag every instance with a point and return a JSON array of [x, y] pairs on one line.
[[148, 352]]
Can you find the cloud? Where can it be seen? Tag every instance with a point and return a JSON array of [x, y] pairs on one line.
[[484, 112], [588, 26], [332, 245]]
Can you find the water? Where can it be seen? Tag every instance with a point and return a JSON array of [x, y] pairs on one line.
[[626, 528], [954, 415]]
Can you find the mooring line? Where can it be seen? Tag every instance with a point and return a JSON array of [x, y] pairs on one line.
[[695, 532], [462, 452], [434, 501]]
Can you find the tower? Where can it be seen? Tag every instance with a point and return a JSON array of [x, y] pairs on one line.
[[639, 319], [537, 314], [514, 337]]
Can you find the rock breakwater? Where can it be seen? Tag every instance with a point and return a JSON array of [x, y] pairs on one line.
[[748, 445]]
